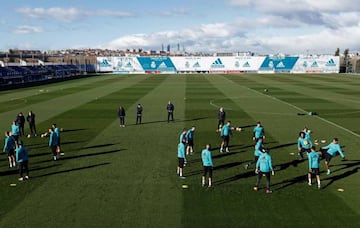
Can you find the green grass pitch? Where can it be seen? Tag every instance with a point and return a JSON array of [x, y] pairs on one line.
[[126, 177]]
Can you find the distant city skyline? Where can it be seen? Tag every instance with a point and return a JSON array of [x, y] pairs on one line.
[[260, 26]]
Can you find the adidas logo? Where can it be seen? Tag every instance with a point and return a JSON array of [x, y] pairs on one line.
[[197, 64], [314, 64], [217, 64], [280, 65], [128, 64], [331, 62], [105, 63], [162, 65], [246, 64]]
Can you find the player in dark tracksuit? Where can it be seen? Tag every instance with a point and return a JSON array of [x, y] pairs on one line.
[[121, 115], [139, 110], [31, 120], [20, 121], [170, 110]]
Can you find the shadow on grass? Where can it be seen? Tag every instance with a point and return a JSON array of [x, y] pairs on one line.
[[282, 146], [72, 130], [334, 178], [286, 165], [234, 178], [92, 154], [72, 170], [303, 178], [31, 169], [165, 121], [219, 167], [80, 156], [288, 182], [98, 146]]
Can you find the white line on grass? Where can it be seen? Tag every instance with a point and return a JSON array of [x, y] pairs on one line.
[[302, 110], [299, 109]]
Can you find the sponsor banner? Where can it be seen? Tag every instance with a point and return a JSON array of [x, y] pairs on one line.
[[279, 64], [157, 64], [216, 64], [229, 64], [190, 64], [121, 64], [317, 64]]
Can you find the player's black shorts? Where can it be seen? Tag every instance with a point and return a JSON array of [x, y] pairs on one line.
[[10, 152], [256, 158], [208, 169], [181, 162], [190, 142], [315, 171], [225, 138], [302, 150], [327, 156]]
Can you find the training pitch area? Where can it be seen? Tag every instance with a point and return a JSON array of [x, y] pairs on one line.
[[126, 177]]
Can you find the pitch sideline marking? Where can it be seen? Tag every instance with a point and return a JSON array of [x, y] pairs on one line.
[[302, 110], [299, 109]]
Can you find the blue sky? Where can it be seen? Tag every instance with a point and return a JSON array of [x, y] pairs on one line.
[[262, 26]]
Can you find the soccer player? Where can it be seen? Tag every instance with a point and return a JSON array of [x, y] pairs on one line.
[[221, 117], [139, 110], [190, 141], [57, 132], [31, 120], [304, 145], [9, 148], [15, 131], [121, 115], [259, 149], [181, 159], [225, 136], [258, 131], [53, 143], [22, 158], [314, 160], [307, 134], [182, 138], [170, 109], [264, 167], [207, 164], [331, 151], [20, 121]]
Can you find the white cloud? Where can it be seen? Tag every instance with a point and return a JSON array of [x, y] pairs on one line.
[[204, 37], [240, 36], [68, 14], [27, 29], [297, 5]]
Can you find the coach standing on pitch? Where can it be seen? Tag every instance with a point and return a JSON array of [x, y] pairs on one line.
[[31, 120], [121, 115], [170, 109], [139, 110]]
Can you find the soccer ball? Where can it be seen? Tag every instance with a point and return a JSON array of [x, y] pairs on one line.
[[42, 136], [265, 90], [29, 136], [306, 142], [61, 129]]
